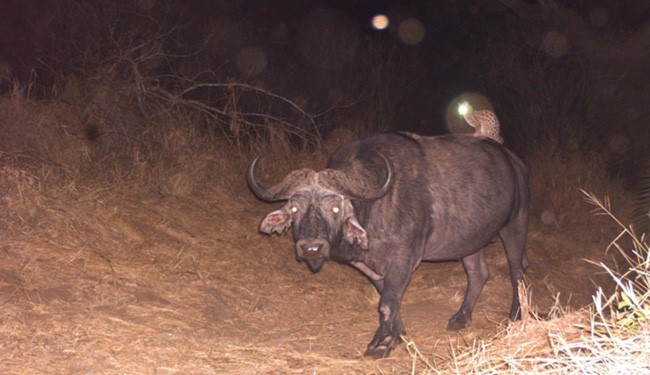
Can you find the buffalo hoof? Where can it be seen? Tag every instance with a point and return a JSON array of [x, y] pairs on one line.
[[516, 315], [381, 349], [458, 322], [377, 352]]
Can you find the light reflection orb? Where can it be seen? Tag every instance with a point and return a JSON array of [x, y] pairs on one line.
[[380, 22], [411, 31], [463, 108], [556, 44]]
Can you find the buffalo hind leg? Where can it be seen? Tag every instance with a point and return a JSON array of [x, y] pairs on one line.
[[513, 236], [477, 274], [391, 328]]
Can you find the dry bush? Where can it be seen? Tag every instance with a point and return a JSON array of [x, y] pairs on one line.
[[628, 309], [551, 96], [556, 178], [118, 60], [642, 203], [98, 133], [582, 100]]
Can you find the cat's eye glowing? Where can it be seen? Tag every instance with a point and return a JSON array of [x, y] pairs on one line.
[[463, 109], [294, 209], [336, 210]]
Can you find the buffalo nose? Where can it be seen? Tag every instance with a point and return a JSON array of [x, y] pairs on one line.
[[311, 248]]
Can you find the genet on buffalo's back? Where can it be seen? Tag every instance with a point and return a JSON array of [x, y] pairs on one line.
[[388, 202]]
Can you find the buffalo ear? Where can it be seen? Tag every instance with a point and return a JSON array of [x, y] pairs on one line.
[[277, 221], [354, 233]]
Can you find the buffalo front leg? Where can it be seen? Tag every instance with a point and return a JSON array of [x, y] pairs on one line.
[[477, 274], [388, 335]]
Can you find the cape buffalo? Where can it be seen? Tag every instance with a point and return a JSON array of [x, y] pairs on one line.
[[388, 202]]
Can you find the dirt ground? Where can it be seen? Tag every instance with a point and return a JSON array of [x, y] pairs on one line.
[[125, 282]]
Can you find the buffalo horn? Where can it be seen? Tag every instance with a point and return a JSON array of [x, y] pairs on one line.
[[354, 187], [282, 191]]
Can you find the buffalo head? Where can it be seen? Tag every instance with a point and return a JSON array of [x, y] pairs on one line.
[[319, 209]]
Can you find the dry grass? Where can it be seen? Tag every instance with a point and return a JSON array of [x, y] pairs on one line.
[[118, 281], [137, 252], [556, 177]]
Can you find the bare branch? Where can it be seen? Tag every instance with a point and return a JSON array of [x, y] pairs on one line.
[[248, 87]]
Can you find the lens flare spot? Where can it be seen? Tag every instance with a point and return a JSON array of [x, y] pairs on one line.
[[251, 61], [380, 22], [555, 44], [411, 31], [548, 218]]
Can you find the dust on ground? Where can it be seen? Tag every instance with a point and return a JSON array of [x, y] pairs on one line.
[[119, 281]]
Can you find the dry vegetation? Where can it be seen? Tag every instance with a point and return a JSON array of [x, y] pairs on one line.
[[137, 252], [129, 242]]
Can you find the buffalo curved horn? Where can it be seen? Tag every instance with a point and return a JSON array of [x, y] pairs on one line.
[[354, 187], [282, 191]]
